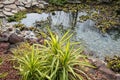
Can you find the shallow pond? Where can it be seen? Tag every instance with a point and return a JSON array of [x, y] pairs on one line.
[[100, 44]]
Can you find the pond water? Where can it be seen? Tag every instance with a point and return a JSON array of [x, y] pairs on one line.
[[100, 44]]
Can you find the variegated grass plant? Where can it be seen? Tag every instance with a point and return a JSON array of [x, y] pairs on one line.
[[58, 59]]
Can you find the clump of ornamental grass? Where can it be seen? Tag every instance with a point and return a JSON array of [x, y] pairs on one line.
[[57, 59]]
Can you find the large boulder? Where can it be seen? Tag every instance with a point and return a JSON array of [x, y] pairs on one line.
[[13, 39]]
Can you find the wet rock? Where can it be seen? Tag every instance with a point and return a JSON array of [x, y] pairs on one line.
[[6, 2], [4, 46], [8, 13], [13, 39]]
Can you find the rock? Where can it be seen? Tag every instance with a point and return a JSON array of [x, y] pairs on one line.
[[11, 6], [2, 15], [34, 3], [13, 39], [28, 5], [7, 9], [41, 6], [8, 13], [21, 8], [4, 37], [6, 2], [107, 71], [4, 46], [117, 76], [98, 63], [1, 5], [14, 11]]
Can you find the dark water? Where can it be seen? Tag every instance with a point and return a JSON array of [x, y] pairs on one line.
[[101, 44]]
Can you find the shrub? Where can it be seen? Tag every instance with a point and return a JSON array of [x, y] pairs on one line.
[[57, 59]]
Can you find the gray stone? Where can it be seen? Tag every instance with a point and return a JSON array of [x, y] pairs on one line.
[[11, 6], [14, 11], [21, 8], [34, 3], [40, 5], [8, 2], [28, 5], [8, 13], [7, 9], [2, 15], [1, 5]]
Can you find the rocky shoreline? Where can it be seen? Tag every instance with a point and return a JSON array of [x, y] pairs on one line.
[[10, 7]]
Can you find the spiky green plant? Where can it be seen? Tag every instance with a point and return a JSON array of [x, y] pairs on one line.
[[58, 59], [30, 62], [63, 57]]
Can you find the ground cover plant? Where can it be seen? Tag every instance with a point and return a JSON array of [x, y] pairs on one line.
[[57, 59]]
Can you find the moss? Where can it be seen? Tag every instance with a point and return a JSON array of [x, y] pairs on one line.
[[114, 63], [17, 17]]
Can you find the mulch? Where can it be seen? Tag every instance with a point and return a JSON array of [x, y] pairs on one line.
[[7, 66]]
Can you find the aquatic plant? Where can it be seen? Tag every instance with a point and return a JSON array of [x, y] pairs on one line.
[[57, 59], [58, 2], [17, 17], [114, 63]]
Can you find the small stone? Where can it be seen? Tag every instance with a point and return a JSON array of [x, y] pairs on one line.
[[8, 13], [13, 39], [28, 5], [21, 8], [14, 11], [35, 3], [1, 5], [2, 15], [41, 6], [11, 6], [6, 2], [7, 9]]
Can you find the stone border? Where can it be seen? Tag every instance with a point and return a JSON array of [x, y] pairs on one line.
[[102, 66], [10, 7]]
